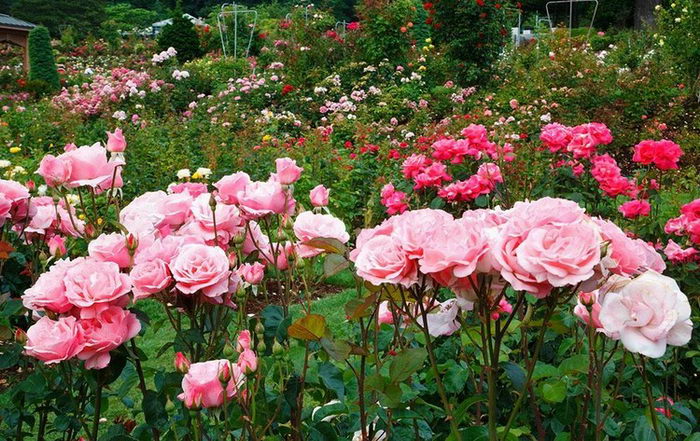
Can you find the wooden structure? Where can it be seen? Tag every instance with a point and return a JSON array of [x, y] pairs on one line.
[[16, 31]]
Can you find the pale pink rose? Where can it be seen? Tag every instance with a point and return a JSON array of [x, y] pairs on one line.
[[5, 207], [176, 208], [383, 229], [414, 229], [254, 239], [382, 260], [110, 248], [384, 314], [149, 278], [165, 249], [48, 217], [90, 283], [247, 361], [651, 259], [201, 268], [243, 340], [585, 302], [623, 255], [309, 225], [49, 292], [287, 171], [193, 189], [648, 312], [442, 319], [144, 214], [202, 386], [54, 341], [230, 185], [55, 171], [560, 256], [319, 196], [262, 198], [226, 218], [12, 190], [90, 167], [108, 330], [252, 272], [115, 141], [57, 246]]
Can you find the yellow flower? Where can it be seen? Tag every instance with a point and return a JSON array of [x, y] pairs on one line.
[[266, 138], [15, 149], [81, 216], [99, 221], [196, 175], [428, 40], [422, 68]]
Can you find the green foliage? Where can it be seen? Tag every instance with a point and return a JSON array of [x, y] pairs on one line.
[[42, 67], [128, 18], [385, 29], [473, 34], [84, 15], [182, 36], [678, 37]]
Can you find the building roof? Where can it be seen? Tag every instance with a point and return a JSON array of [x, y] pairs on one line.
[[11, 22]]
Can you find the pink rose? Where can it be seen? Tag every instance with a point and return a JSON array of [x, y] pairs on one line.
[[13, 191], [676, 254], [57, 246], [243, 340], [149, 278], [89, 167], [181, 363], [49, 292], [252, 272], [442, 319], [319, 196], [259, 199], [650, 258], [287, 171], [556, 136], [110, 248], [115, 141], [382, 260], [54, 341], [201, 268], [202, 385], [635, 208], [309, 225], [648, 313], [247, 361], [55, 171], [586, 301], [143, 215], [278, 254], [106, 331], [229, 186], [90, 283]]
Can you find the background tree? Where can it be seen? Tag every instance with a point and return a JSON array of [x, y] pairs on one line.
[[182, 36], [85, 15], [42, 65]]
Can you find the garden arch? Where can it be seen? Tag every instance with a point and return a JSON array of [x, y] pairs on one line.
[[16, 31]]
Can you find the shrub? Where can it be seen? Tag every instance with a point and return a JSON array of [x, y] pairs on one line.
[[678, 38], [182, 36], [473, 33], [41, 61], [386, 29]]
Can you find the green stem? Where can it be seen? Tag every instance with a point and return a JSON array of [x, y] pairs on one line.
[[650, 400], [98, 406]]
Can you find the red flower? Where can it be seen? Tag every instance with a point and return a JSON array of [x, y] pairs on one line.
[[355, 25], [480, 2], [287, 88], [427, 6]]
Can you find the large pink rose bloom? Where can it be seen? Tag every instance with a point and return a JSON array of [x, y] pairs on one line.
[[49, 291], [229, 186], [144, 214], [382, 260], [414, 229], [262, 198], [287, 171], [91, 283], [55, 171], [90, 167], [149, 278], [105, 332], [54, 341], [623, 256], [110, 248], [202, 385], [309, 226], [165, 249], [648, 312], [319, 196], [201, 268], [556, 136]]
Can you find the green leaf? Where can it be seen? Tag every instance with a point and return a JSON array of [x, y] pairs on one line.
[[327, 244], [310, 327], [516, 374], [575, 364], [333, 264], [356, 308], [332, 378], [406, 363], [461, 411], [275, 325], [544, 370], [154, 409], [338, 350], [554, 392]]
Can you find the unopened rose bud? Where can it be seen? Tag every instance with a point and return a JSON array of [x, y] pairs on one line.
[[232, 260], [132, 243], [182, 364], [225, 374], [587, 298], [20, 336], [277, 348]]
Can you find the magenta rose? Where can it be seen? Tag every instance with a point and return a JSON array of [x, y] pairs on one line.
[[149, 278], [202, 385], [287, 171], [309, 226], [90, 282], [229, 186], [556, 136], [201, 268], [110, 248], [106, 331], [54, 341], [635, 208]]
